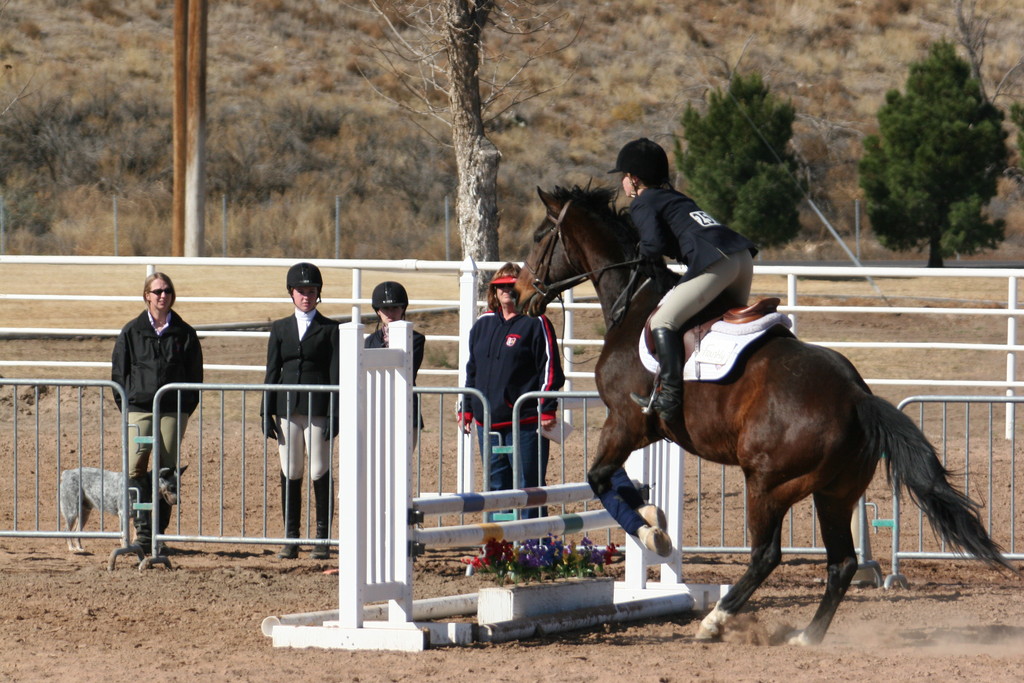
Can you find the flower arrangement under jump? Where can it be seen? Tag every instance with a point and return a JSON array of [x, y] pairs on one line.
[[537, 561]]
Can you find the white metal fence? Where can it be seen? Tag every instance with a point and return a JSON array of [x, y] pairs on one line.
[[959, 321], [965, 433], [811, 295]]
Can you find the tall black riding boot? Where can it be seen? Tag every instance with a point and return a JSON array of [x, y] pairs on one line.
[[667, 398], [291, 504], [323, 490]]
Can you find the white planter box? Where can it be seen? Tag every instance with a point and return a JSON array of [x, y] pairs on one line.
[[504, 603]]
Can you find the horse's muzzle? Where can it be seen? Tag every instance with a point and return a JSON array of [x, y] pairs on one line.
[[534, 305]]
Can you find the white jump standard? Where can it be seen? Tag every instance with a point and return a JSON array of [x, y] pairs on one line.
[[377, 537]]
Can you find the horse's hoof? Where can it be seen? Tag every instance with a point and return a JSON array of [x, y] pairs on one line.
[[656, 540], [653, 515], [706, 635], [798, 638], [711, 626]]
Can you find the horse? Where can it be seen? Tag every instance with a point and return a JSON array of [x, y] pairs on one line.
[[797, 418]]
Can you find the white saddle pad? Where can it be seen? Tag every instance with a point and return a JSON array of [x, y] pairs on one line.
[[719, 348]]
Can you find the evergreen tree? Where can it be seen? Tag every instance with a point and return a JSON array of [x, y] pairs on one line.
[[932, 168], [1017, 116], [736, 162]]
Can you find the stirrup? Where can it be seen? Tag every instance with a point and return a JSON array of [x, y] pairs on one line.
[[646, 403]]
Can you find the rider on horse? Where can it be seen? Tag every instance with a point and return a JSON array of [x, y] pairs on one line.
[[719, 261]]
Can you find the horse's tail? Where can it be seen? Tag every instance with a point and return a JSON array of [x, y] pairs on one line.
[[911, 463]]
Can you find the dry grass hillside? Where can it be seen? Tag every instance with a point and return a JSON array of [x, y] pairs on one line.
[[293, 124]]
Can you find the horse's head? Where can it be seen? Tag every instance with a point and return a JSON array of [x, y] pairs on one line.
[[565, 248]]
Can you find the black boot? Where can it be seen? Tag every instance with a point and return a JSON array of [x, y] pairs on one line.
[[322, 489], [291, 504], [143, 519], [667, 398]]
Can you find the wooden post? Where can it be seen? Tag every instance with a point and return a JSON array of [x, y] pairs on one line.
[[179, 127], [195, 173]]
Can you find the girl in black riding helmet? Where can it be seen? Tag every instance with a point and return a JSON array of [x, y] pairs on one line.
[[303, 349], [390, 301], [717, 259]]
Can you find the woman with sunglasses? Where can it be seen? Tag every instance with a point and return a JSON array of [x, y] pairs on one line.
[[156, 348], [510, 355]]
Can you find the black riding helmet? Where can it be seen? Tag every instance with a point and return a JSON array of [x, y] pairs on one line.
[[304, 275], [645, 159], [389, 293]]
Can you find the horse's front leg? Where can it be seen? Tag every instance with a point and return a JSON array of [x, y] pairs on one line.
[[616, 443], [621, 498], [600, 478], [765, 522]]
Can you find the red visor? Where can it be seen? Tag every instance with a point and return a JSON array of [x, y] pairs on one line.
[[506, 280]]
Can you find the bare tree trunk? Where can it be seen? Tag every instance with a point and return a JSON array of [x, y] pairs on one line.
[[477, 158], [971, 31]]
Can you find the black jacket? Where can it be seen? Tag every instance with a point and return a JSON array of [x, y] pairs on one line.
[[376, 341], [313, 360], [143, 362], [671, 224], [508, 358]]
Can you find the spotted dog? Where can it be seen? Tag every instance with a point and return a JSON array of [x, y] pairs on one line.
[[83, 489]]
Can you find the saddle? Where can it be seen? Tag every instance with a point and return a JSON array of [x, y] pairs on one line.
[[733, 316]]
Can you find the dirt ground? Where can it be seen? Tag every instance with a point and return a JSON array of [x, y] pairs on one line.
[[65, 617], [68, 618]]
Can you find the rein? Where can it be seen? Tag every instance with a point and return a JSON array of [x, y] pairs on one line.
[[544, 262]]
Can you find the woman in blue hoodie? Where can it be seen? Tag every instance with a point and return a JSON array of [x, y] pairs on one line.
[[509, 355]]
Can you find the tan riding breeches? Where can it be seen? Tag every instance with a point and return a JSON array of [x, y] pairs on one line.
[[138, 457], [298, 436], [732, 274]]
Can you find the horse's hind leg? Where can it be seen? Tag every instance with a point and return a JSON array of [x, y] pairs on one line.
[[765, 555], [835, 517]]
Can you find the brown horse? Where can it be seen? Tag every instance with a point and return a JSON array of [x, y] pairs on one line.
[[797, 418]]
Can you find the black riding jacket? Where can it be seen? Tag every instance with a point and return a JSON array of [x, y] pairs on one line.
[[671, 224], [143, 362], [376, 341], [311, 360]]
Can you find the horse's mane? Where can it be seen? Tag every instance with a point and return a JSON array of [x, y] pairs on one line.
[[600, 202]]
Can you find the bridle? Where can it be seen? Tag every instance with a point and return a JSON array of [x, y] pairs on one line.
[[540, 272]]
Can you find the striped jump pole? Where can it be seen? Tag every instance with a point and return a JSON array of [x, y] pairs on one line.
[[513, 531], [458, 503]]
